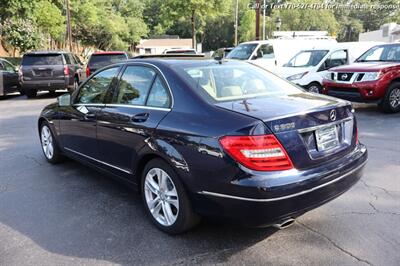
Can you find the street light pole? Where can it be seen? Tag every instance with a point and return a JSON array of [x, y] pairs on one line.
[[236, 22], [257, 20], [69, 32], [264, 20]]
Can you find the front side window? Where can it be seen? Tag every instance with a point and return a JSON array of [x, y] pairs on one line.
[[242, 51], [307, 58], [8, 67], [229, 81], [134, 85], [95, 89], [266, 51], [389, 53]]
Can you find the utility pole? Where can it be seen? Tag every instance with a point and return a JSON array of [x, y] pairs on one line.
[[236, 22], [69, 32], [193, 30], [264, 21], [257, 20]]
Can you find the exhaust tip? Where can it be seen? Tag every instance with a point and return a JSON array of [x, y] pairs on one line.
[[284, 224]]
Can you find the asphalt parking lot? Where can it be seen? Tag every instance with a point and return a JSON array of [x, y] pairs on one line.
[[68, 214]]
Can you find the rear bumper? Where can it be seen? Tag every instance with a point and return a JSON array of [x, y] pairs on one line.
[[311, 189], [44, 85]]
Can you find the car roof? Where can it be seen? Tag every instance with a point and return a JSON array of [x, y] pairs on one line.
[[186, 61], [47, 52], [108, 53]]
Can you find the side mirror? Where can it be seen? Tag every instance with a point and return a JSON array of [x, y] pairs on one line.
[[254, 57], [64, 100]]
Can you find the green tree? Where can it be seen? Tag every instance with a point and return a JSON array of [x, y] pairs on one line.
[[196, 12], [21, 34], [50, 20]]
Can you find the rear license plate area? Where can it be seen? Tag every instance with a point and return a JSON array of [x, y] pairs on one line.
[[327, 137]]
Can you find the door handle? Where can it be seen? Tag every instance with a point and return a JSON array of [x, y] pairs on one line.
[[140, 118]]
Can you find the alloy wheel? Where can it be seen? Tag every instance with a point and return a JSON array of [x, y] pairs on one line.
[[313, 89], [161, 196], [47, 142], [394, 98]]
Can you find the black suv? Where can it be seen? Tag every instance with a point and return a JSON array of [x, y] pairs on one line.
[[49, 71]]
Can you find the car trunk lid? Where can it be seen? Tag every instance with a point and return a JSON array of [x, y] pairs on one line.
[[42, 67], [313, 129]]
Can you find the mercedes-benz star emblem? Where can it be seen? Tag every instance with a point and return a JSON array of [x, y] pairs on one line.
[[332, 115], [344, 76]]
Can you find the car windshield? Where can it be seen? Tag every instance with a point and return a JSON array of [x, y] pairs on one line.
[[389, 53], [235, 81], [100, 60], [307, 58], [42, 59], [242, 52]]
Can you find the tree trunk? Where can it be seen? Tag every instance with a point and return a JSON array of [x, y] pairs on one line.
[[193, 30]]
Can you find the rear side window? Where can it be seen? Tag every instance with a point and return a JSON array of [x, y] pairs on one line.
[[67, 59], [135, 85], [42, 59], [95, 89], [100, 60], [159, 96]]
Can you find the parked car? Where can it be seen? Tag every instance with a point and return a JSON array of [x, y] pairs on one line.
[[101, 59], [224, 139], [48, 71], [373, 78], [180, 51], [270, 54], [308, 67], [8, 78]]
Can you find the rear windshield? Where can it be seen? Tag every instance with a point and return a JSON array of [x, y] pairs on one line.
[[235, 81], [42, 59], [100, 60]]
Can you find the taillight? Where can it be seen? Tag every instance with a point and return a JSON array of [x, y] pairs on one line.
[[66, 70], [87, 71], [261, 153]]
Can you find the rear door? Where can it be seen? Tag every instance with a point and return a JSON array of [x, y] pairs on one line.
[[78, 121], [43, 67], [141, 101]]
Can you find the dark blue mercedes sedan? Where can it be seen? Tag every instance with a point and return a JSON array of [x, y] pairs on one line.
[[222, 139]]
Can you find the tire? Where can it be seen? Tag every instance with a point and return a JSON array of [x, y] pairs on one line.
[[76, 85], [314, 87], [391, 101], [49, 144], [172, 199], [30, 94]]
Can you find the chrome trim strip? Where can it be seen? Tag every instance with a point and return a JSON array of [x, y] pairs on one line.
[[283, 197], [308, 129], [341, 103], [89, 104], [138, 107], [113, 166]]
